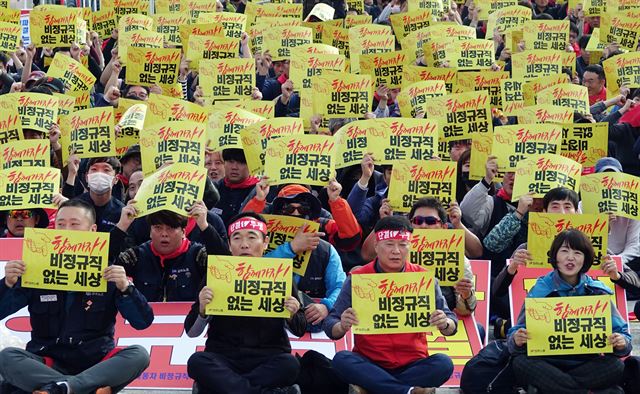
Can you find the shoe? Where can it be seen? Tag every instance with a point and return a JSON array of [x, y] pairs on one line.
[[104, 390], [423, 390], [53, 388], [353, 389]]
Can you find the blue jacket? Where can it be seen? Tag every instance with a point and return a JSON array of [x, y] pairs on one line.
[[106, 216], [552, 285], [366, 209], [75, 329]]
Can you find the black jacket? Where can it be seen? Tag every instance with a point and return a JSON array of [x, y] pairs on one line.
[[231, 200]]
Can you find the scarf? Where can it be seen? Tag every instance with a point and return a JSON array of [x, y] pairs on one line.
[[191, 224], [247, 183], [123, 179], [632, 116], [503, 195], [182, 249]]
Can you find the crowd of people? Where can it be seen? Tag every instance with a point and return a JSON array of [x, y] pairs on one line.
[[164, 256]]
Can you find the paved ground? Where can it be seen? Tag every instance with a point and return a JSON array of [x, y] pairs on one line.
[[635, 332]]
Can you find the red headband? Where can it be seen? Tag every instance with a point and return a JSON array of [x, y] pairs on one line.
[[247, 223], [384, 235]]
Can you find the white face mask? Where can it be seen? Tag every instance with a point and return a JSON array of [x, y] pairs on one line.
[[99, 182]]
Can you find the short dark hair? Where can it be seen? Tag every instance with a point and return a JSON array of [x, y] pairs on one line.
[[168, 218], [126, 89], [112, 161], [429, 202], [560, 194], [4, 59], [596, 69], [78, 203], [394, 223], [250, 214], [543, 16], [234, 154], [576, 240]]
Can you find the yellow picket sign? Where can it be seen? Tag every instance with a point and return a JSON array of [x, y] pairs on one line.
[[435, 6], [440, 251], [375, 298], [10, 36], [28, 187], [438, 52], [169, 6], [249, 286], [279, 41], [569, 62], [315, 49], [265, 109], [342, 95], [568, 325], [282, 229], [622, 70], [366, 39], [611, 192], [54, 27], [471, 54], [131, 122], [546, 34], [355, 20], [10, 16], [481, 146], [131, 22], [585, 143], [212, 30], [256, 12], [256, 136], [413, 43], [162, 109], [222, 79], [123, 105], [66, 104], [406, 138], [74, 75], [412, 180], [127, 7], [533, 87], [514, 143], [337, 37], [224, 125], [234, 24], [65, 260], [26, 153], [507, 19], [10, 119], [317, 27], [490, 81], [621, 28], [531, 64], [566, 95], [88, 133], [355, 5], [169, 26], [152, 66], [358, 138], [38, 111], [412, 98], [461, 115], [594, 7], [174, 188], [543, 228], [540, 173], [450, 30], [137, 39], [385, 67], [304, 159], [622, 5], [408, 22], [177, 141], [488, 7], [545, 113], [206, 48], [103, 22], [304, 66], [413, 74], [83, 99], [197, 7], [594, 44]]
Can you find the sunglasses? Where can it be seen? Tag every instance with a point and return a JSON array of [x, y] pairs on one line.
[[21, 214], [303, 209], [428, 220]]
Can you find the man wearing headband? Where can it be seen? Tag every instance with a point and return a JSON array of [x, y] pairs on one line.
[[246, 354], [17, 220], [390, 363]]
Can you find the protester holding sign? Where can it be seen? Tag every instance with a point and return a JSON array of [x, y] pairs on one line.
[[237, 187], [390, 363], [571, 256], [72, 347], [245, 354]]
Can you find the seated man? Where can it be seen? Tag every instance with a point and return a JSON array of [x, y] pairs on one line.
[[72, 348], [390, 363], [19, 219], [245, 354]]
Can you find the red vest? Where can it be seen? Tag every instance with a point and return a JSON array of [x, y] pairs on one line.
[[391, 351]]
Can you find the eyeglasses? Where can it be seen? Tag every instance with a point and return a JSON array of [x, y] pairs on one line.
[[429, 220], [21, 214], [303, 209]]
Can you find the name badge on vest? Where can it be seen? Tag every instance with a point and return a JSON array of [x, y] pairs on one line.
[[49, 298]]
